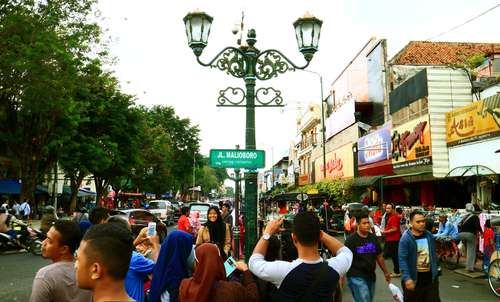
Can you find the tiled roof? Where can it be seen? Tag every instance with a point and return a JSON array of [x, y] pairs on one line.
[[441, 53]]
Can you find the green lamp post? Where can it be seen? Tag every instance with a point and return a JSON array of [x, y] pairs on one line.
[[250, 64]]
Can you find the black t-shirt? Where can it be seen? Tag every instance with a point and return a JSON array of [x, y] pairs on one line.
[[364, 251]]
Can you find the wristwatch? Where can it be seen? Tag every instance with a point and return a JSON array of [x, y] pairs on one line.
[[266, 236]]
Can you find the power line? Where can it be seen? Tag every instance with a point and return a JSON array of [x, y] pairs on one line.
[[468, 21]]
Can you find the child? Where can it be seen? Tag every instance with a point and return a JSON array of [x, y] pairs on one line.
[[488, 244]]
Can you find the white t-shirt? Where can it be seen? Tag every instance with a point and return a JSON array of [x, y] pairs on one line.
[[276, 271]]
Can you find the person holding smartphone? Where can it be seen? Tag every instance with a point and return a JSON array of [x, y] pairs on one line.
[[209, 281]]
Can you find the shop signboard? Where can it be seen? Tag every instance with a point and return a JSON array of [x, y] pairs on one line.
[[476, 121], [374, 147], [303, 179], [340, 119], [339, 164], [411, 144]]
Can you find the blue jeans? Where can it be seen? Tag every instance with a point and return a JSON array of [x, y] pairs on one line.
[[363, 289]]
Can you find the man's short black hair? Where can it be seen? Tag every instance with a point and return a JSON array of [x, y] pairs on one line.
[[121, 221], [184, 210], [70, 233], [98, 214], [111, 245], [416, 212], [306, 228], [360, 216]]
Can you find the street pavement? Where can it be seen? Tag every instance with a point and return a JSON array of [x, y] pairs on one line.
[[17, 272]]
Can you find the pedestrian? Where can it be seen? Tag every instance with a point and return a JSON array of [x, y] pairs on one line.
[[98, 215], [140, 267], [367, 252], [418, 262], [326, 214], [392, 235], [403, 223], [215, 231], [488, 244], [209, 280], [103, 261], [57, 281], [307, 278], [383, 216], [16, 207], [24, 210], [226, 215], [183, 223], [175, 262], [469, 228], [446, 228]]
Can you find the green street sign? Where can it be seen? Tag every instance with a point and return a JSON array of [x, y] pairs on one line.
[[246, 159]]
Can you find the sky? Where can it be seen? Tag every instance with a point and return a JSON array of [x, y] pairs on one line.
[[154, 62]]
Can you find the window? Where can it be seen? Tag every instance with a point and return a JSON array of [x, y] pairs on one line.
[[158, 205], [416, 109]]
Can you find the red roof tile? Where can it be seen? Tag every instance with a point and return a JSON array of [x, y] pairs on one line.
[[441, 53]]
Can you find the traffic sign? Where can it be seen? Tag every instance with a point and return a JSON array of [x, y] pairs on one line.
[[246, 159]]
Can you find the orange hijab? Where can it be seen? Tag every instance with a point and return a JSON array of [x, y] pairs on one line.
[[208, 270]]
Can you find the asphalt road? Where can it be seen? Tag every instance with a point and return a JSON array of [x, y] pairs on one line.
[[17, 272]]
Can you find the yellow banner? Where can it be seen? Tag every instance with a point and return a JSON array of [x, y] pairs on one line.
[[477, 121], [339, 164]]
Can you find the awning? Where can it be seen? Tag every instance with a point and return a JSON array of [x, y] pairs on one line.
[[9, 186], [475, 170], [406, 175], [364, 181]]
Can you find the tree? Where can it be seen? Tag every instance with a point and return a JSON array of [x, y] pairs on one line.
[[167, 152], [43, 46]]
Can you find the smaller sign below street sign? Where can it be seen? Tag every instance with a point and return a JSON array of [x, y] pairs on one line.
[[246, 159]]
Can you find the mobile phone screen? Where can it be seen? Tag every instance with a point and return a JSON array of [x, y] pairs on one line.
[[151, 229], [229, 266]]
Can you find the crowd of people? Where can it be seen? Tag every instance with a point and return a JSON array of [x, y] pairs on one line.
[[96, 258]]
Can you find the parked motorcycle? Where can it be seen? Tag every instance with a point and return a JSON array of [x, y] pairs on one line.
[[21, 237]]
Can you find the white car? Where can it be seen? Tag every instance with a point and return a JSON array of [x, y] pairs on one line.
[[163, 210]]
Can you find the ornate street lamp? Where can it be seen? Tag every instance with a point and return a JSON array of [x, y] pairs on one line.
[[249, 63]]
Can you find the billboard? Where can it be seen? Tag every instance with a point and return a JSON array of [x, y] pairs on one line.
[[411, 144], [340, 119], [477, 121], [375, 147], [352, 83], [339, 164]]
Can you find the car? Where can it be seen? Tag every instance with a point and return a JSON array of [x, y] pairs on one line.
[[177, 208], [139, 219], [202, 208], [162, 209]]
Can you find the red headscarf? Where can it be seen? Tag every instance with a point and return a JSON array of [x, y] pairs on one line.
[[209, 269]]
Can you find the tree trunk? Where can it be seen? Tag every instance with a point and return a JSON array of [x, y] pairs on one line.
[[76, 182], [101, 184]]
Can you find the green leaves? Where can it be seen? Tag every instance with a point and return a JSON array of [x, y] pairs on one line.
[[339, 190]]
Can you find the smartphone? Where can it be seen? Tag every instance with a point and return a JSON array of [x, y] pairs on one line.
[[230, 266], [151, 229]]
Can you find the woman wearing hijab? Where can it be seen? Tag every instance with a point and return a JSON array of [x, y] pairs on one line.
[[172, 266], [209, 280], [215, 231]]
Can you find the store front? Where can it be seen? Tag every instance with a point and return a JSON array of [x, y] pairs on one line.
[[339, 164], [473, 136]]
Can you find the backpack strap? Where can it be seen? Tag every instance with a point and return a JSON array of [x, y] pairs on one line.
[[321, 274]]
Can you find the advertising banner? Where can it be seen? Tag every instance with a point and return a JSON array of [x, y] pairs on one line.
[[477, 121], [339, 164], [374, 147], [411, 144], [340, 119]]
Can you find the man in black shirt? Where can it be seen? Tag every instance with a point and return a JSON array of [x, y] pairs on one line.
[[326, 215], [366, 252], [469, 228]]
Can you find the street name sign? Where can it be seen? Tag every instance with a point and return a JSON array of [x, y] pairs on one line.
[[237, 159]]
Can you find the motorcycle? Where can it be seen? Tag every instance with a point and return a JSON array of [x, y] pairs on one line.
[[21, 237]]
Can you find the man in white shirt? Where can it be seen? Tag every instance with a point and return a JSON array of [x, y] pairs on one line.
[[25, 210], [308, 278]]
